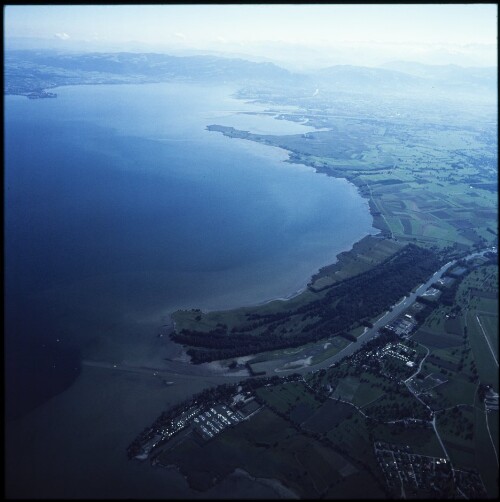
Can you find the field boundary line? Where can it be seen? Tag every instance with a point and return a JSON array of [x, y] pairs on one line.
[[487, 341]]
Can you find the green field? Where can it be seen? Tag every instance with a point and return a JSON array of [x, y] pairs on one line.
[[421, 440], [485, 454], [266, 447], [486, 363], [438, 340], [284, 398], [307, 463], [455, 391], [346, 389], [482, 320], [352, 435], [456, 429], [428, 181], [329, 416], [397, 405], [369, 391], [489, 323], [365, 254], [460, 353]]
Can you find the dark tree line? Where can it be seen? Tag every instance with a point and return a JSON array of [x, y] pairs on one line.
[[332, 314]]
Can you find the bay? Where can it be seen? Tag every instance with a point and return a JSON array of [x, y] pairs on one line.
[[120, 207]]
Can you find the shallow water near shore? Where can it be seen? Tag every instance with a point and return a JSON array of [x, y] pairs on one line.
[[120, 208]]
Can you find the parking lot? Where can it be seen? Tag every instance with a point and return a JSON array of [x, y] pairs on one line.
[[213, 421]]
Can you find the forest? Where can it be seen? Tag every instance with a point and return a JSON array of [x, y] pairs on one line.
[[337, 308]]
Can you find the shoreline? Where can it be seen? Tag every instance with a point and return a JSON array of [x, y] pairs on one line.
[[317, 169], [277, 486], [285, 156], [292, 295]]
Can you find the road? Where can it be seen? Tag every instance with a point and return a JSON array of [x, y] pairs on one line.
[[419, 366], [439, 437], [371, 333]]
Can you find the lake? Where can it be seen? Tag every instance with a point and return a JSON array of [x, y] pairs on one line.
[[120, 207]]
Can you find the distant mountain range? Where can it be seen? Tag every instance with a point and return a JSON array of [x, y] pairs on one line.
[[451, 74], [28, 71], [361, 78]]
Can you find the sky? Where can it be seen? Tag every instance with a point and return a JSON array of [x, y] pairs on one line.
[[449, 28]]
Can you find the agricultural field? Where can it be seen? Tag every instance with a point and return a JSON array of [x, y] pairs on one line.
[[459, 345], [266, 447], [431, 181], [454, 366], [486, 449], [456, 428], [463, 355], [366, 253], [421, 440], [392, 406], [477, 295], [332, 418], [329, 416], [427, 181], [464, 433], [293, 399], [353, 435]]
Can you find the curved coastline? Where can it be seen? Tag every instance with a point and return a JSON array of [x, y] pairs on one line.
[[298, 285], [226, 131], [240, 134]]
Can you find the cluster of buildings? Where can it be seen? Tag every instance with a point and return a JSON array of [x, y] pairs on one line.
[[212, 422], [166, 432], [402, 467], [408, 473], [399, 351], [402, 325], [423, 385], [491, 400], [206, 420]]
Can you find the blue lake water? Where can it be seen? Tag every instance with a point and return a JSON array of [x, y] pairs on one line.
[[121, 207]]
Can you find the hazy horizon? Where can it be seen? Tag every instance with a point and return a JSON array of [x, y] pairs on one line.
[[268, 270], [295, 36]]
